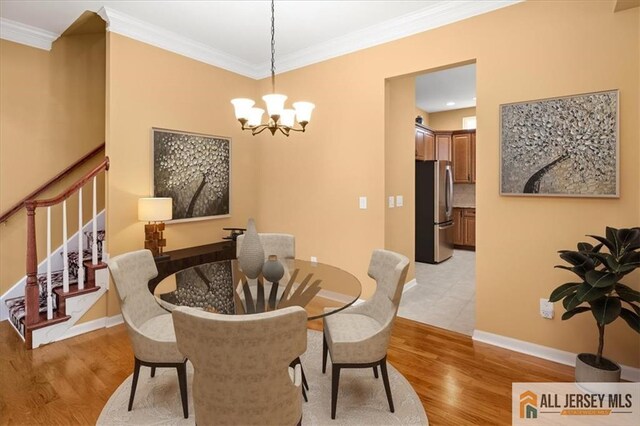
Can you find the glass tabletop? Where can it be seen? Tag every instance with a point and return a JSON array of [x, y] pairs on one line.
[[222, 287]]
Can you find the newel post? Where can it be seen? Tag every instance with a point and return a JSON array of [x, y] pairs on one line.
[[32, 290]]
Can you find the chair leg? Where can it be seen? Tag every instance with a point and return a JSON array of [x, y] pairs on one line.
[[385, 379], [305, 385], [153, 372], [304, 395], [335, 379], [182, 380], [375, 371], [134, 384], [325, 349]]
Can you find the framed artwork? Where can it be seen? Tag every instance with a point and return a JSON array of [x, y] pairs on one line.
[[565, 146], [194, 170]]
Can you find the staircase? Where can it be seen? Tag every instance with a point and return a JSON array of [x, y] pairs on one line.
[[54, 295]]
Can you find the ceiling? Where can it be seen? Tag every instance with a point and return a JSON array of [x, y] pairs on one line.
[[435, 91], [235, 35]]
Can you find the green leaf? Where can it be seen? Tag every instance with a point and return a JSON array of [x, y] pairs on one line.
[[628, 238], [627, 293], [572, 312], [588, 293], [570, 302], [600, 278], [573, 257], [631, 318], [604, 241], [606, 309], [563, 291], [582, 247], [630, 261], [633, 305]]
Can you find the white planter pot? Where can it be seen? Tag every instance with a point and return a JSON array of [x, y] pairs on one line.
[[585, 372]]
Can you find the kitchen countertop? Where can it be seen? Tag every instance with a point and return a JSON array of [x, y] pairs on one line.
[[463, 206]]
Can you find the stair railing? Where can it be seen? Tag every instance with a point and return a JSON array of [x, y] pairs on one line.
[[32, 290]]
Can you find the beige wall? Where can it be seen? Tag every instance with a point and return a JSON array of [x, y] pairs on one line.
[[449, 120], [313, 193], [52, 106], [149, 87]]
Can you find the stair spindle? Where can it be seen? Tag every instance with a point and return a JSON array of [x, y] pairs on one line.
[[94, 246], [65, 253], [49, 304], [80, 248]]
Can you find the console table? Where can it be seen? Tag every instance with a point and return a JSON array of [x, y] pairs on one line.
[[177, 260]]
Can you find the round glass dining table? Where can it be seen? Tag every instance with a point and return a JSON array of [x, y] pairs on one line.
[[221, 287]]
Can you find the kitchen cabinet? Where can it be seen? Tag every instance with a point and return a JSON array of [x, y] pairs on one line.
[[432, 145], [463, 147], [425, 143], [464, 227]]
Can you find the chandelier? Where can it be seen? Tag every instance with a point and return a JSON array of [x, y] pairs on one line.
[[280, 118]]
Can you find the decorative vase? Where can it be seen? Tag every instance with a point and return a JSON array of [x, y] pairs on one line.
[[251, 256], [586, 372], [273, 271]]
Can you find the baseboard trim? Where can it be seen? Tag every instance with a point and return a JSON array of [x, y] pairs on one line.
[[114, 320], [408, 286], [556, 355]]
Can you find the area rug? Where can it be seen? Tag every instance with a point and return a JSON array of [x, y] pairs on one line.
[[361, 397]]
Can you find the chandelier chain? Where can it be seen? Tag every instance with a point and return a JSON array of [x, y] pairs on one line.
[[273, 47]]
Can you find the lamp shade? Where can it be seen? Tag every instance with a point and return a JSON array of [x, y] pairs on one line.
[[303, 111], [255, 116], [242, 107], [288, 117], [155, 209], [275, 103]]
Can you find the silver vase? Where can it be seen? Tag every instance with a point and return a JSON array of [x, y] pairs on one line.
[[251, 256], [273, 271]]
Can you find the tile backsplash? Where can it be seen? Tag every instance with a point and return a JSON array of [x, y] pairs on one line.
[[464, 195]]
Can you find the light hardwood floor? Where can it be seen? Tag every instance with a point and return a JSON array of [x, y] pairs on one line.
[[459, 381]]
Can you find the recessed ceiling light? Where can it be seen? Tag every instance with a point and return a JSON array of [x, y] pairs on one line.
[[450, 103]]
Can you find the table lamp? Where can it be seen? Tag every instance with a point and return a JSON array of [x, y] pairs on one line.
[[155, 211]]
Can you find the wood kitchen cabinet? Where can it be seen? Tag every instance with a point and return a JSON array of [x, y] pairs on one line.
[[432, 145], [464, 228], [425, 143], [463, 147]]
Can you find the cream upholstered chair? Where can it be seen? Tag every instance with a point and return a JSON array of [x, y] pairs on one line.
[[150, 327], [241, 365], [282, 245], [358, 337]]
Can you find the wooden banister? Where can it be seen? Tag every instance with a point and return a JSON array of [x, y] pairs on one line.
[[32, 288], [16, 207]]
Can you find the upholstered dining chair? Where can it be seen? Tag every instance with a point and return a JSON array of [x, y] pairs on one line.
[[282, 245], [358, 337], [150, 327], [241, 365]]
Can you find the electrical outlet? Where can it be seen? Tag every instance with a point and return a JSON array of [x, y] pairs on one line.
[[546, 309], [314, 259], [392, 202], [399, 200]]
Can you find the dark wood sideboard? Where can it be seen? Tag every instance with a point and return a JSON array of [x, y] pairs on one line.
[[177, 260]]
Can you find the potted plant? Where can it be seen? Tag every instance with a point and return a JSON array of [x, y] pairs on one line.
[[600, 292]]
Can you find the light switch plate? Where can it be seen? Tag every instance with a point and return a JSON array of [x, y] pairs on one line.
[[392, 202], [363, 203], [546, 309], [399, 201]]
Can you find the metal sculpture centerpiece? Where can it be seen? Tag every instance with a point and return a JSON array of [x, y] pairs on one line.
[[280, 118]]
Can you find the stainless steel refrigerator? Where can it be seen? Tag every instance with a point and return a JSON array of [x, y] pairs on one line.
[[434, 211]]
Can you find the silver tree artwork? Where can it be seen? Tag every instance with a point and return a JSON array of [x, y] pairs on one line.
[[192, 169], [562, 146]]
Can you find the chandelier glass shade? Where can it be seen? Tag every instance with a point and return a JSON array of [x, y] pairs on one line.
[[280, 118]]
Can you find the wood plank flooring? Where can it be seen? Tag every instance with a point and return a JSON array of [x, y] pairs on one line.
[[460, 382]]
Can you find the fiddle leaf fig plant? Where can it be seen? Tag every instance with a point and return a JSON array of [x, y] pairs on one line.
[[599, 270]]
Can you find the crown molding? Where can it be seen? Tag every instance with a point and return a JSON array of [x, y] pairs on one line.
[[136, 29], [26, 34], [432, 16]]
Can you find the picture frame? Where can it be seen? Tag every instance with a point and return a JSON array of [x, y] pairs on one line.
[[565, 146], [194, 170]]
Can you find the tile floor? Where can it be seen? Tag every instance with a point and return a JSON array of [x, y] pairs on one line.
[[445, 294]]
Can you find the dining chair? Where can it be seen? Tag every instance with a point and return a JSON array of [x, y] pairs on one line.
[[242, 372], [358, 336], [282, 245], [150, 327]]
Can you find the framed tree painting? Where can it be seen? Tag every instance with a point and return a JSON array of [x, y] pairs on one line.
[[194, 170], [565, 146]]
